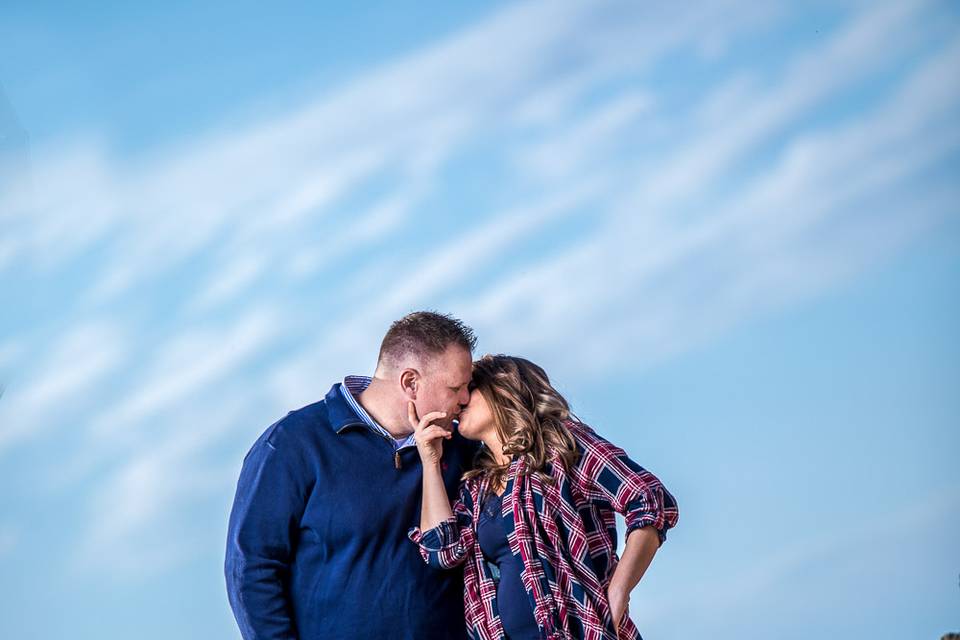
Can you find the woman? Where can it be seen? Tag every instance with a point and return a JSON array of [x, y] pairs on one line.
[[534, 521]]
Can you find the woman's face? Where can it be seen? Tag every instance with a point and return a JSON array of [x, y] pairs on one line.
[[476, 420]]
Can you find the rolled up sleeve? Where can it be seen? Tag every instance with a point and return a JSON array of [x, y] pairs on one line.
[[612, 477], [448, 544]]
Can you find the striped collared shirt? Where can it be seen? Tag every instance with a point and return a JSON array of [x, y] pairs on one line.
[[353, 386]]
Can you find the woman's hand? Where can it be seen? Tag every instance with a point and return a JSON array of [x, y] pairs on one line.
[[619, 598], [428, 435]]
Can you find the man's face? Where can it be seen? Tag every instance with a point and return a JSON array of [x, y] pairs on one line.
[[445, 384]]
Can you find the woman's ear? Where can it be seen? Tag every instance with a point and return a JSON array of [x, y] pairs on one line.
[[409, 383]]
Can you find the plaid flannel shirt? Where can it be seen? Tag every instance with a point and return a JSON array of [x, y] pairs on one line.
[[565, 534]]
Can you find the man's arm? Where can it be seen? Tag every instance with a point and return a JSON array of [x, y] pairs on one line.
[[264, 521]]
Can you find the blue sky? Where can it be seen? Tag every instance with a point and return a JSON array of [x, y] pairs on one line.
[[730, 233]]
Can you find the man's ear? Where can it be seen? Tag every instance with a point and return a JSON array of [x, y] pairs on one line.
[[410, 383]]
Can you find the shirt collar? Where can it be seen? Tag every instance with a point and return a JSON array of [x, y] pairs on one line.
[[351, 387]]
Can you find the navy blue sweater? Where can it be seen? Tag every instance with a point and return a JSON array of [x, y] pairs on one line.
[[317, 544]]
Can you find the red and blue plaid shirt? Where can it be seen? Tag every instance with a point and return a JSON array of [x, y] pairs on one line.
[[564, 532]]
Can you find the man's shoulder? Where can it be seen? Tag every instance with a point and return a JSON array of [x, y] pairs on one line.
[[297, 425]]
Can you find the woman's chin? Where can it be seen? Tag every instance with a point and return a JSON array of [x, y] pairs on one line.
[[464, 430]]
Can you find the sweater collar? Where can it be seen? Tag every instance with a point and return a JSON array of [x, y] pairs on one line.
[[340, 414]]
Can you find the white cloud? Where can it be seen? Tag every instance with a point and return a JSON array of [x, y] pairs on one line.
[[160, 210], [589, 138], [444, 265], [720, 220], [230, 281], [665, 275], [79, 360], [370, 226], [352, 346], [672, 264], [857, 51], [186, 366], [135, 525]]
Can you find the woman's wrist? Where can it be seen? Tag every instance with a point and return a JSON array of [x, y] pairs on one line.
[[429, 463], [615, 588]]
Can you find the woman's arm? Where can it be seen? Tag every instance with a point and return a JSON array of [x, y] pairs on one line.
[[448, 543], [445, 534], [609, 476], [641, 546], [436, 504]]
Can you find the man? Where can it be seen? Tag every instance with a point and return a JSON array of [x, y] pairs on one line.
[[317, 543]]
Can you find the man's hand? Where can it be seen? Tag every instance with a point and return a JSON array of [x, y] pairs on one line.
[[428, 435]]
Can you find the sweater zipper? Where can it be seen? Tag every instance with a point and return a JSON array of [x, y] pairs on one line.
[[396, 452]]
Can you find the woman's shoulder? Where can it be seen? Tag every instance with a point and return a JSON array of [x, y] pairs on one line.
[[583, 434], [560, 457], [591, 445]]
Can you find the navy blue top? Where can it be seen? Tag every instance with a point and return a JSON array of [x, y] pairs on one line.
[[516, 612], [317, 542]]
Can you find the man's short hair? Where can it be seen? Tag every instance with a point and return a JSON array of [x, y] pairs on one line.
[[424, 334]]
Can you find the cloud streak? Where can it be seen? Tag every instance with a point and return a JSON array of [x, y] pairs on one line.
[[541, 174]]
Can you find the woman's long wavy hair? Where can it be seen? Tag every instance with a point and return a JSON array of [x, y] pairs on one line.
[[529, 415]]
